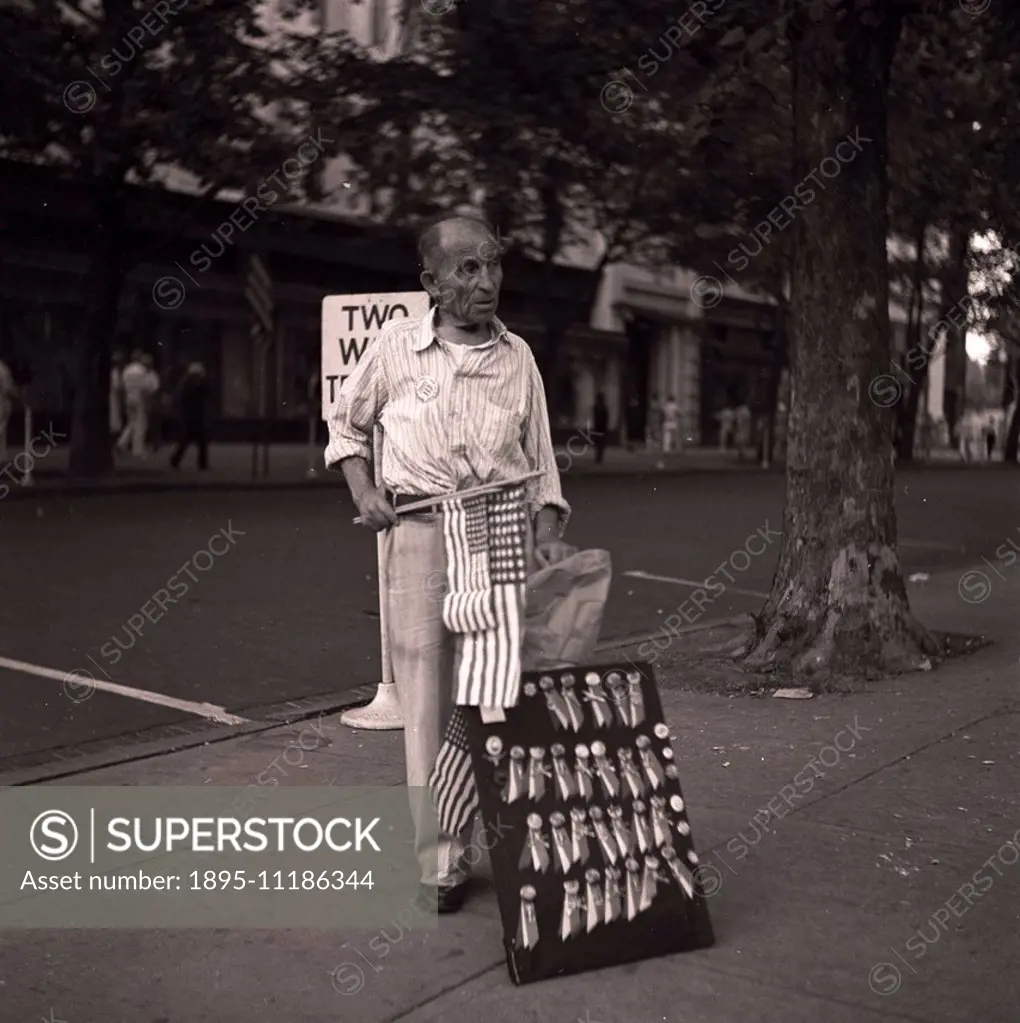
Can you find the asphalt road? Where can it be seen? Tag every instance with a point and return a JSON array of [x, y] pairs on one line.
[[281, 605]]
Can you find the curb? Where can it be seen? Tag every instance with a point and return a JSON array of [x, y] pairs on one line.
[[200, 733], [101, 489], [328, 479], [183, 738]]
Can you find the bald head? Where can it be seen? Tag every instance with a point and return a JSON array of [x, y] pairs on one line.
[[445, 230], [462, 271]]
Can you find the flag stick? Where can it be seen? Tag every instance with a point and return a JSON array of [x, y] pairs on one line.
[[384, 611], [485, 488]]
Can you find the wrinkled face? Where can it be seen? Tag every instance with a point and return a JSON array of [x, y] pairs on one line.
[[464, 273]]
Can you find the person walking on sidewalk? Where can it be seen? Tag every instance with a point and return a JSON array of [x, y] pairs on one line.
[[742, 421], [153, 406], [670, 425], [653, 432], [192, 405], [117, 411], [8, 392], [725, 418], [462, 403], [136, 381], [600, 427]]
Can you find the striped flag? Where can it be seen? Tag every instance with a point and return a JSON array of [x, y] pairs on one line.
[[486, 566], [452, 781], [258, 290]]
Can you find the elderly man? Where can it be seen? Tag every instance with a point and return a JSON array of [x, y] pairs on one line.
[[461, 403]]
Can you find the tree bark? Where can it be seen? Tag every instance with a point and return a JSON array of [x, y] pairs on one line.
[[838, 603], [91, 454]]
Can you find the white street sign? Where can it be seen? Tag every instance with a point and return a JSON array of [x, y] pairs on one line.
[[349, 324]]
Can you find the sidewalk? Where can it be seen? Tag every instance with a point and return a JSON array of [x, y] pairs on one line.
[[289, 464], [839, 905]]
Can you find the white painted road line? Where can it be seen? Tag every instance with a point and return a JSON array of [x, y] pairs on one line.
[[692, 583], [82, 681]]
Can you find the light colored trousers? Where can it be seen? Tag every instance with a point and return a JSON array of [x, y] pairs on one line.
[[670, 433], [137, 427], [421, 655], [422, 658]]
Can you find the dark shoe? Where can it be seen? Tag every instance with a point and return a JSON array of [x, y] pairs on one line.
[[445, 899]]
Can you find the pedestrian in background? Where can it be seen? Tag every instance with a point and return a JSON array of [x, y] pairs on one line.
[[154, 406], [8, 392], [136, 381], [670, 425], [654, 426], [118, 418], [193, 408], [742, 423], [600, 427], [990, 440], [725, 417]]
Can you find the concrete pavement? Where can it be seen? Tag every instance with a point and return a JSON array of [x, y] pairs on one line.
[[846, 902], [289, 465]]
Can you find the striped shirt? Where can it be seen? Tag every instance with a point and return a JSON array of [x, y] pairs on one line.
[[449, 422]]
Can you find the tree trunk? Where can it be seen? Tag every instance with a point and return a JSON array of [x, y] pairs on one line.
[[838, 603], [91, 455]]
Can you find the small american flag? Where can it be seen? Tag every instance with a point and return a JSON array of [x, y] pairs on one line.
[[452, 781], [486, 565]]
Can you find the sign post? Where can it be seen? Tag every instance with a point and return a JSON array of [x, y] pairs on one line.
[[349, 324]]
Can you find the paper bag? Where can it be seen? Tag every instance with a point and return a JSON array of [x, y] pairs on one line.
[[563, 615]]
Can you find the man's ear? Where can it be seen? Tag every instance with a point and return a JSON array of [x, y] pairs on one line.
[[428, 282]]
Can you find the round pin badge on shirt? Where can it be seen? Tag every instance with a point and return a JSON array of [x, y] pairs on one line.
[[426, 388]]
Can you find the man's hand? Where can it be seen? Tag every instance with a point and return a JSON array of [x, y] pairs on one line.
[[549, 548], [551, 552], [375, 510]]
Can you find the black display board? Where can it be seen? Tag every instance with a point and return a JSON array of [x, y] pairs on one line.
[[546, 791]]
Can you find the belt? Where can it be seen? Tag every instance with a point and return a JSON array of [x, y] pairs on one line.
[[402, 500]]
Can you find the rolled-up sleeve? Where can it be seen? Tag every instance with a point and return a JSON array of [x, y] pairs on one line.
[[361, 401], [541, 455]]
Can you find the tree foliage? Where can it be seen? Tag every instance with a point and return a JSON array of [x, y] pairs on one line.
[[210, 95]]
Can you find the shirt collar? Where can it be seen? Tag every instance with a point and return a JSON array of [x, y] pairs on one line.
[[426, 333]]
